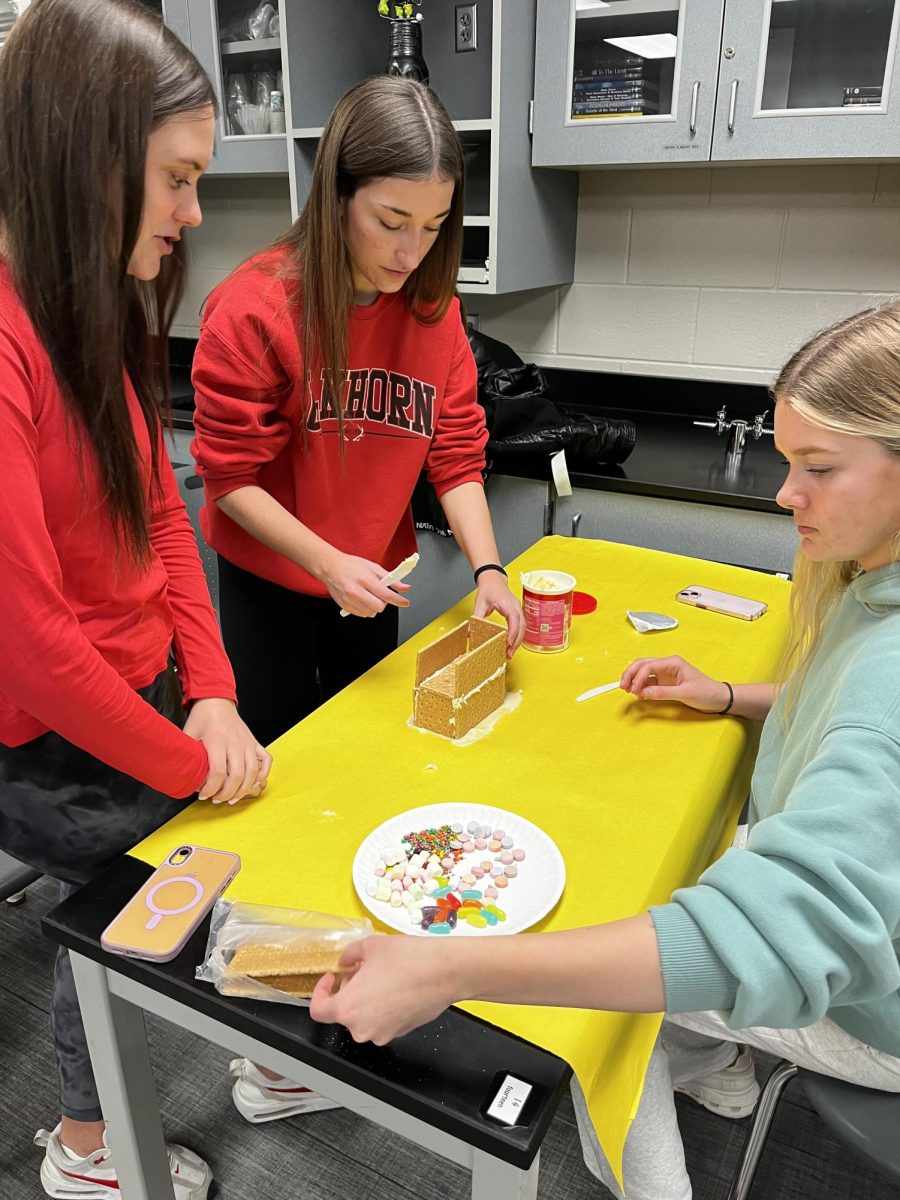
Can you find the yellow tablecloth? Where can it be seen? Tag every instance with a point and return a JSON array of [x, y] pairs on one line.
[[639, 797]]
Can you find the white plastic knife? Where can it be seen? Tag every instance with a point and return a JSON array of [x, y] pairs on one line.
[[597, 691], [396, 575]]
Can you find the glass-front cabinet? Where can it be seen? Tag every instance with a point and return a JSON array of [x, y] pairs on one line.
[[239, 44], [808, 79], [625, 81], [665, 81]]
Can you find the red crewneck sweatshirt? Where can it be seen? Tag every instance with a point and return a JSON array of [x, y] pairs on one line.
[[409, 401], [81, 628]]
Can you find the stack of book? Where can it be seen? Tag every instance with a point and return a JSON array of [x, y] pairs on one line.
[[616, 88], [862, 95]]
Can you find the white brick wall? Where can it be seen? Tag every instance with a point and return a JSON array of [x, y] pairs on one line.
[[241, 215], [715, 273]]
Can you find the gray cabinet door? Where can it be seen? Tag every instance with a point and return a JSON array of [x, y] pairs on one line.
[[175, 15], [233, 155], [808, 79], [594, 62]]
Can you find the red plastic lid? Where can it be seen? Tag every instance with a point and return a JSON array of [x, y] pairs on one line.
[[582, 603]]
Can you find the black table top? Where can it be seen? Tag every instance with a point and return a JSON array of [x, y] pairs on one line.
[[675, 460], [440, 1074]]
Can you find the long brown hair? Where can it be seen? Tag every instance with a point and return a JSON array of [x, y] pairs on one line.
[[83, 83], [845, 379], [385, 127]]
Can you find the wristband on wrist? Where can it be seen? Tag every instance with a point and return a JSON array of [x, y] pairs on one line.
[[722, 711], [489, 567]]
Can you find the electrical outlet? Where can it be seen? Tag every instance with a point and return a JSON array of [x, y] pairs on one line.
[[466, 28]]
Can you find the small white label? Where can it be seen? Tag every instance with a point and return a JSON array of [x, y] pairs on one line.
[[507, 1104]]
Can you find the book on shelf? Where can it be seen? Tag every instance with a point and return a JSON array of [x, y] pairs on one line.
[[614, 96], [606, 93], [600, 116], [603, 65], [862, 95], [590, 81], [596, 87], [619, 110]]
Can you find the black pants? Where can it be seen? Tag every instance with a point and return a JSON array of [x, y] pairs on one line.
[[291, 652], [68, 814]]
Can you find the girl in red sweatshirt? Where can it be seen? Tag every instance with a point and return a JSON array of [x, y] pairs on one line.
[[331, 369], [101, 581]]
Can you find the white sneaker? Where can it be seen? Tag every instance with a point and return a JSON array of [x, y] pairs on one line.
[[260, 1099], [731, 1092], [94, 1177]]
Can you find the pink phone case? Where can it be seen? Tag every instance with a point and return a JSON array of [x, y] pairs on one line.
[[721, 602], [157, 921]]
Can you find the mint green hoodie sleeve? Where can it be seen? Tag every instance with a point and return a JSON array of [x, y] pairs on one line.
[[804, 920]]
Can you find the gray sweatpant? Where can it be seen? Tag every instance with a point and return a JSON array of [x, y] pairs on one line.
[[691, 1046]]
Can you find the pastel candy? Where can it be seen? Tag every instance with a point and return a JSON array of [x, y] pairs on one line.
[[491, 893], [494, 845], [498, 912], [468, 846], [499, 833], [501, 881], [456, 827], [518, 855], [396, 902], [506, 857], [474, 894], [473, 826], [507, 843], [489, 917], [439, 927], [480, 844], [511, 871], [478, 921]]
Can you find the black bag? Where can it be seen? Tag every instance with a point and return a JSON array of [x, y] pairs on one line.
[[522, 419]]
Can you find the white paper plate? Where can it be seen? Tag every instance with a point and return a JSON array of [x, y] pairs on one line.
[[530, 896]]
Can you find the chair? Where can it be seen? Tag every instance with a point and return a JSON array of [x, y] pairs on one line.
[[868, 1121], [191, 488], [14, 879]]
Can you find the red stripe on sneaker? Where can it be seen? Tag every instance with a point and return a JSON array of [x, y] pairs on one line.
[[293, 1091], [112, 1184]]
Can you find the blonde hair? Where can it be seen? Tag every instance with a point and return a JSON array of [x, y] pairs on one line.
[[847, 380]]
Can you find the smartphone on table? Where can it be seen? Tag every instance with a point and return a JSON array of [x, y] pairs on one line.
[[721, 602], [158, 920]]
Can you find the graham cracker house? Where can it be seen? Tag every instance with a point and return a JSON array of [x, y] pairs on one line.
[[460, 678]]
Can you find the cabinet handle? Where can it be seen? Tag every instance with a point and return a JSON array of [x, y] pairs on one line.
[[695, 96], [732, 105]]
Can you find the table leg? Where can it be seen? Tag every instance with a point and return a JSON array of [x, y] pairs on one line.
[[120, 1057], [496, 1180]]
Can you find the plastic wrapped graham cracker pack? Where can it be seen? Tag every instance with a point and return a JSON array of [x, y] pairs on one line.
[[278, 954]]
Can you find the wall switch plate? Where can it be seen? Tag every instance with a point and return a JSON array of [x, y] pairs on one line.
[[466, 28]]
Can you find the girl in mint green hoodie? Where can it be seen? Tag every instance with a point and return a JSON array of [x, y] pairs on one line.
[[788, 942]]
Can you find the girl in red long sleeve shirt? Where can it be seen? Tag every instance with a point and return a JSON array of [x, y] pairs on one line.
[[101, 580], [331, 370]]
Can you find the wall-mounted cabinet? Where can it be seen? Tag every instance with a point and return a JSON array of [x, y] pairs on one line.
[[239, 46], [330, 47], [669, 81]]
